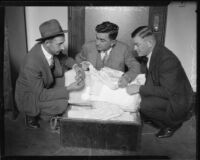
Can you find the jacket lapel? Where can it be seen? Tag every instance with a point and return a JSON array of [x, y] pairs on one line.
[[153, 60], [45, 65], [99, 62], [153, 66]]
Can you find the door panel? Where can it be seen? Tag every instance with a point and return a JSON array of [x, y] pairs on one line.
[[127, 18], [157, 21], [83, 20], [76, 17]]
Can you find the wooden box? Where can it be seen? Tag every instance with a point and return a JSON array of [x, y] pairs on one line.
[[100, 134]]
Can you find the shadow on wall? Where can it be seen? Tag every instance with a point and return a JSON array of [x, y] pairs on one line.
[[17, 46]]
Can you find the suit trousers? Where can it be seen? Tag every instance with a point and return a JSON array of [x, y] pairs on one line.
[[50, 108], [156, 110], [54, 107]]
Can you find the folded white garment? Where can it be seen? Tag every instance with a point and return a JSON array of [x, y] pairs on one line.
[[107, 76], [102, 111], [102, 86]]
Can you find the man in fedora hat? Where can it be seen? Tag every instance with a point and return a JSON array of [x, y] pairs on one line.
[[36, 93]]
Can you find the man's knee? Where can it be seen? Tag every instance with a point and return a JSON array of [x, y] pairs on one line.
[[149, 104], [59, 82], [62, 106], [145, 106], [54, 107]]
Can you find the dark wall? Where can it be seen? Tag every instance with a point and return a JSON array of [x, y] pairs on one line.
[[15, 21]]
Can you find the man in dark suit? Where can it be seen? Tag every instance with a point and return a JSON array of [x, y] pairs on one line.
[[109, 52], [35, 93], [166, 97]]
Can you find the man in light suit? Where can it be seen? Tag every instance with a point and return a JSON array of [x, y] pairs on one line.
[[166, 97], [109, 52], [35, 93]]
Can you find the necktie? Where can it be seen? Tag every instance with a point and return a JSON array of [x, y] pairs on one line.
[[52, 62], [144, 61], [105, 58]]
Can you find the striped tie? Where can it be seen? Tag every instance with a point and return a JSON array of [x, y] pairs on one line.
[[51, 62], [145, 60], [105, 58]]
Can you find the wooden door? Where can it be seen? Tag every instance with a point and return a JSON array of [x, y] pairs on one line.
[[76, 29], [157, 20]]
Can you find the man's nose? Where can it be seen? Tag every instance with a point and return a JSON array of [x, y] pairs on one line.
[[62, 47], [97, 42], [135, 48]]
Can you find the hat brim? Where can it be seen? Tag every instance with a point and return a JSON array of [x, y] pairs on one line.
[[54, 35]]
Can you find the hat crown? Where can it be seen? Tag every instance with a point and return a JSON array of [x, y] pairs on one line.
[[49, 29]]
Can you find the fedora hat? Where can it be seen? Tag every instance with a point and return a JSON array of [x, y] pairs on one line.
[[50, 29]]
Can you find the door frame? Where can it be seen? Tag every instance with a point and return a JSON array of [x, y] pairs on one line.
[[76, 28], [76, 17]]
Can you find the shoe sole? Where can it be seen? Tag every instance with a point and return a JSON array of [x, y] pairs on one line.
[[29, 127]]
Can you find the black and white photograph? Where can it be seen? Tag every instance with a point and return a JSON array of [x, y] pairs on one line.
[[99, 81]]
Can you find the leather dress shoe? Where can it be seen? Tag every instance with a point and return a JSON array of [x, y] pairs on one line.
[[32, 122], [167, 132], [148, 122], [152, 123]]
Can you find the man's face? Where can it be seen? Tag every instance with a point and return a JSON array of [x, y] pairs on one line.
[[103, 42], [141, 46], [56, 45]]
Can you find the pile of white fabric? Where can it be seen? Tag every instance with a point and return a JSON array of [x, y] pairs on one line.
[[102, 93]]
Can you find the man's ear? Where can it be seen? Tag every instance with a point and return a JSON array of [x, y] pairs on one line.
[[46, 42], [113, 42], [150, 42]]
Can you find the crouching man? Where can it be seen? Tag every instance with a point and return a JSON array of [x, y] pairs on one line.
[[166, 97], [35, 93]]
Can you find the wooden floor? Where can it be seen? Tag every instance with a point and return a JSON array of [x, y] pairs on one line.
[[20, 141]]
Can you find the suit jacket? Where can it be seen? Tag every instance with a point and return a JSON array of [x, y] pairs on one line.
[[120, 56], [167, 79], [35, 80]]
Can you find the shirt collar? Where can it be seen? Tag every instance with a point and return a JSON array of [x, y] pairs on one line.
[[103, 53], [149, 57], [108, 51], [47, 55]]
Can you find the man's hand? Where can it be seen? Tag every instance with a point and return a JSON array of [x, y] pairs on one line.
[[75, 86], [133, 89], [123, 82], [80, 74], [85, 65]]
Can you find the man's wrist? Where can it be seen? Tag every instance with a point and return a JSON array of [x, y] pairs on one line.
[[74, 66], [68, 88], [128, 79], [140, 88]]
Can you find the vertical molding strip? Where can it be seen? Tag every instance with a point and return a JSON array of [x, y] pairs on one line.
[[26, 39], [76, 17], [160, 11]]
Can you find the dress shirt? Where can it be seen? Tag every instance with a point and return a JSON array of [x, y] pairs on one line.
[[48, 56], [149, 58], [104, 53]]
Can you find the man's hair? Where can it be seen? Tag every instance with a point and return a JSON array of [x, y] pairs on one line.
[[142, 31], [108, 27]]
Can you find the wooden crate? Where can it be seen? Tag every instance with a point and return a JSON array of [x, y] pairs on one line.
[[100, 134]]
